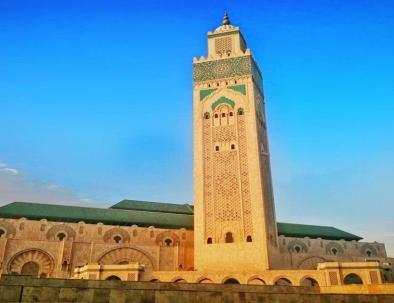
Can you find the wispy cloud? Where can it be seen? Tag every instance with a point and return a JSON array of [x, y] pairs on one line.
[[17, 186], [4, 168], [9, 170]]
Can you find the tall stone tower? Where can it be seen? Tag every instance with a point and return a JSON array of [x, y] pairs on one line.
[[234, 221]]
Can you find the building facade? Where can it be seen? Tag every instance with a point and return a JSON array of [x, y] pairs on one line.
[[231, 233]]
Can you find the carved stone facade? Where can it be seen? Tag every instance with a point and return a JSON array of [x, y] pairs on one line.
[[52, 249]]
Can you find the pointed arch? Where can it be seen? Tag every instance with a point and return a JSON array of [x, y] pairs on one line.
[[309, 282], [256, 280]]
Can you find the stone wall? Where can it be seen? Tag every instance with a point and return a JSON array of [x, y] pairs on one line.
[[27, 289]]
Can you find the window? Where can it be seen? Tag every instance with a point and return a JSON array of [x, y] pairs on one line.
[[217, 148], [168, 242], [231, 281], [232, 146], [369, 253], [334, 251], [297, 249], [113, 278], [61, 236], [249, 239], [240, 111], [209, 240], [352, 279], [206, 115], [229, 238], [223, 115], [309, 282], [283, 282], [216, 116], [117, 239], [231, 114], [2, 233]]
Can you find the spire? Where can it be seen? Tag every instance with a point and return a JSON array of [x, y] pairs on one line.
[[226, 19]]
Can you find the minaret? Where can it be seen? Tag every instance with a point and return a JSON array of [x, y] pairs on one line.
[[234, 222]]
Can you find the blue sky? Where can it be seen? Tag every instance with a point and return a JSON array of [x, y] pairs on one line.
[[96, 103]]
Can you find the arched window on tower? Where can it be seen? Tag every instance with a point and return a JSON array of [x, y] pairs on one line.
[[61, 236], [117, 239], [249, 238], [229, 237], [209, 240]]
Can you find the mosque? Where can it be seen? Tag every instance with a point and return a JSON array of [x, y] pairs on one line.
[[229, 235]]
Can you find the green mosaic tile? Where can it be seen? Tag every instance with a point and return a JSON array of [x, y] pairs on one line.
[[206, 92], [225, 68], [239, 88], [222, 100]]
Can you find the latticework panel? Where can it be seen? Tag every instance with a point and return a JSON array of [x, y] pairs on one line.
[[208, 186], [224, 133], [226, 186], [223, 45], [227, 195], [245, 185]]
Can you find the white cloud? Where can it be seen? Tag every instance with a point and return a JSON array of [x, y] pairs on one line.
[[10, 170], [2, 165]]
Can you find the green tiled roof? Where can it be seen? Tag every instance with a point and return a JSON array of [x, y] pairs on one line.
[[142, 213], [111, 216], [154, 207], [314, 231]]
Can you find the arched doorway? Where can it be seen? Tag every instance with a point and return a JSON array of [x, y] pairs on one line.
[[30, 269], [309, 282], [352, 279], [283, 282], [113, 278], [231, 281]]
